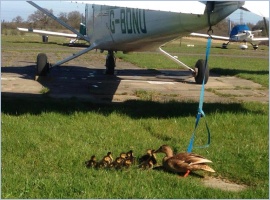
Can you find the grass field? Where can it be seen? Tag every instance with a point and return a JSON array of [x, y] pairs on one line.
[[45, 142]]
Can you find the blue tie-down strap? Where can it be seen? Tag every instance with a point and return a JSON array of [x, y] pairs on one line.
[[200, 111], [190, 146]]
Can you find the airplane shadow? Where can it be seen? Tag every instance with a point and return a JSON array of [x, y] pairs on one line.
[[33, 42], [233, 72], [136, 109]]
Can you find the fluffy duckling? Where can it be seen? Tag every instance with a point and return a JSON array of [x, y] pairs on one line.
[[92, 162], [183, 162], [118, 162], [106, 161], [148, 160], [131, 157], [127, 163], [109, 157]]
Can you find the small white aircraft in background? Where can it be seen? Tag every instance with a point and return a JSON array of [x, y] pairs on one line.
[[239, 33], [140, 25]]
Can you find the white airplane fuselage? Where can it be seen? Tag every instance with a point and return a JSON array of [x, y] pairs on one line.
[[129, 29], [137, 27], [248, 37]]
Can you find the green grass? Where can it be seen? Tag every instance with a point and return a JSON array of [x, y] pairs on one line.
[[44, 146], [45, 142], [226, 62]]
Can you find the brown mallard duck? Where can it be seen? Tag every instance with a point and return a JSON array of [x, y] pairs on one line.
[[92, 162], [148, 160], [183, 162]]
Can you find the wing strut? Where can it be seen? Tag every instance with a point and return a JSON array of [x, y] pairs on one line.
[[75, 55], [175, 59], [59, 21]]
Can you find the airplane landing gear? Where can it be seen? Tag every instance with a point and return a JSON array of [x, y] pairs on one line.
[[255, 46], [224, 45], [42, 64], [199, 70], [110, 63]]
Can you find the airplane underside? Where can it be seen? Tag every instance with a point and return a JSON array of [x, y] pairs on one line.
[[131, 29]]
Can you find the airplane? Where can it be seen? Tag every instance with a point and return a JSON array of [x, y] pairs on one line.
[[128, 26], [239, 33]]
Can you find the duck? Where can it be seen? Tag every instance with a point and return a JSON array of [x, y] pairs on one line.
[[106, 161], [131, 157], [109, 157], [118, 162], [92, 162], [127, 163], [148, 160], [183, 162]]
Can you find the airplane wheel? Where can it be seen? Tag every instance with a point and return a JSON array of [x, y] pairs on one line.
[[255, 47], [42, 64], [110, 63], [224, 46], [200, 72]]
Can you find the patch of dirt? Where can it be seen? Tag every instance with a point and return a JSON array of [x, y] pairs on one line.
[[223, 184]]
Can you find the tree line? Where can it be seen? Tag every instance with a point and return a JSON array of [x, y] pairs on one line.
[[39, 20]]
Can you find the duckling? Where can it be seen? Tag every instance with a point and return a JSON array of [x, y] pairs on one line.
[[183, 162], [92, 162], [148, 160], [127, 163], [106, 161], [118, 162], [131, 157], [109, 157]]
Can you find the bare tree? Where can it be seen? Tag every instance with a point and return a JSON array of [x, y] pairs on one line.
[[18, 20], [63, 16], [39, 19], [74, 19], [261, 25]]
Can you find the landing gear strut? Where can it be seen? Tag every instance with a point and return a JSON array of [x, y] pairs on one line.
[[110, 63], [224, 45], [255, 46], [42, 64]]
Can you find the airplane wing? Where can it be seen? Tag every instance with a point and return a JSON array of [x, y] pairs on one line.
[[260, 39], [260, 8], [212, 36], [48, 32], [189, 7]]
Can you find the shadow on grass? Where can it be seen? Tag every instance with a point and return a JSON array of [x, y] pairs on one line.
[[137, 109], [34, 42], [233, 72], [179, 175]]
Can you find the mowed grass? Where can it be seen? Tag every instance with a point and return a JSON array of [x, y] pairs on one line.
[[45, 142], [248, 64]]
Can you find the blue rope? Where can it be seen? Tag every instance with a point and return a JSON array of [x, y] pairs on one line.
[[200, 110]]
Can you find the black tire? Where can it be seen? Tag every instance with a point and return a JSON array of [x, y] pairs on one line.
[[200, 69], [224, 46], [255, 47], [42, 64], [110, 63]]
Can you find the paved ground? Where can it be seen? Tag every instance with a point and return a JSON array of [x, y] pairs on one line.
[[88, 81]]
